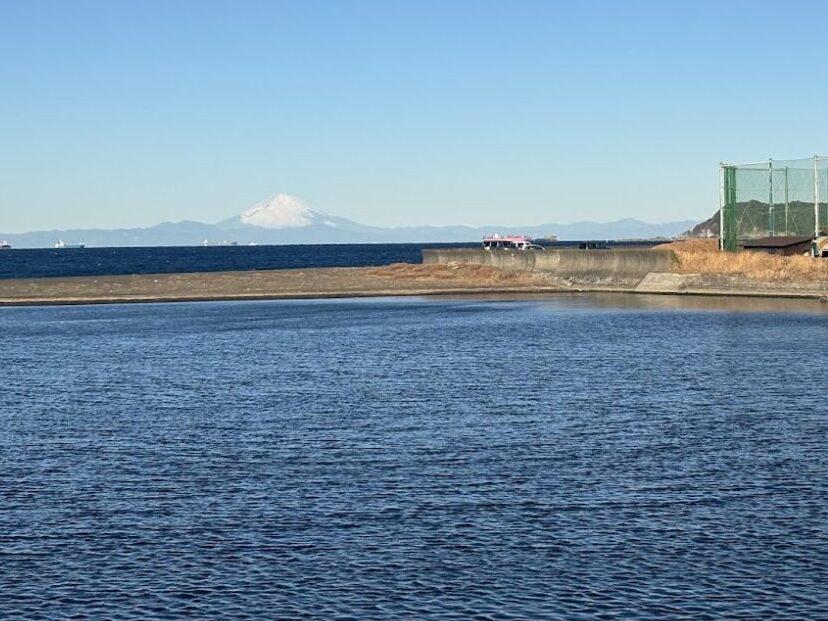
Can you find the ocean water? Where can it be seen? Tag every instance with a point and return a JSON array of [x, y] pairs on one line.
[[571, 457], [46, 262]]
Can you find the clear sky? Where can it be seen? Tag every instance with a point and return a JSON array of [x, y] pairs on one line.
[[395, 113]]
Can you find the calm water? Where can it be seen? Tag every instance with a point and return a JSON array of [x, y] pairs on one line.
[[581, 457], [43, 262]]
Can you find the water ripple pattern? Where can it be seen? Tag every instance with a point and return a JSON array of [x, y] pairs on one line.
[[50, 262], [412, 459]]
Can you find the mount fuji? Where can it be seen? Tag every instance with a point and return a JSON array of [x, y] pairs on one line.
[[285, 219]]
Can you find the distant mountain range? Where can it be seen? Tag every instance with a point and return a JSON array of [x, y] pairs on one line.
[[284, 219]]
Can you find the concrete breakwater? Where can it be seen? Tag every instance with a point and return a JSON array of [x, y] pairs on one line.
[[453, 271], [621, 270], [607, 267]]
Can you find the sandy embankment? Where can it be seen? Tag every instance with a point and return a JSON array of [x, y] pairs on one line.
[[398, 279], [698, 269]]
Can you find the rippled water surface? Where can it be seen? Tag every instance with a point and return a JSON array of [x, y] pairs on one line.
[[44, 262], [569, 458]]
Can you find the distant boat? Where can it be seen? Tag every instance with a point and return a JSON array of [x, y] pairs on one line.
[[4, 245], [207, 243], [65, 245]]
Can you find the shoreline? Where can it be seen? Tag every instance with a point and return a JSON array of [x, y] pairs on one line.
[[314, 283], [321, 295], [403, 280]]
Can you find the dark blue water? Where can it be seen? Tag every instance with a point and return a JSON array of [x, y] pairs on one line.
[[582, 457], [45, 262]]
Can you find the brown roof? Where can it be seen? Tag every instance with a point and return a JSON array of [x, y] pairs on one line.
[[777, 242]]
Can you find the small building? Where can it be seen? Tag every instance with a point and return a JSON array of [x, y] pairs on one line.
[[780, 245]]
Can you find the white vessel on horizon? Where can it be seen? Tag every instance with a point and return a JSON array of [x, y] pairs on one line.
[[62, 244]]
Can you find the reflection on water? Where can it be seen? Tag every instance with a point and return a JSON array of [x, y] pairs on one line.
[[565, 457], [656, 302]]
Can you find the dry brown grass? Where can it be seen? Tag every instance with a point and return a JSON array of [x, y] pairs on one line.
[[689, 245], [453, 272], [701, 256]]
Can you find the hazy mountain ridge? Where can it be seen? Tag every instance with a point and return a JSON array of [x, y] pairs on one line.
[[286, 220], [704, 229], [795, 219]]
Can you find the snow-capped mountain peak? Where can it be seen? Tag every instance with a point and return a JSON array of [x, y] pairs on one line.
[[281, 212]]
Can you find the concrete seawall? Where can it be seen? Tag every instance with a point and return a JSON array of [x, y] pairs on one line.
[[619, 267]]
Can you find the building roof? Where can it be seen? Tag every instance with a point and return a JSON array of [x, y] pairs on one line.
[[777, 242]]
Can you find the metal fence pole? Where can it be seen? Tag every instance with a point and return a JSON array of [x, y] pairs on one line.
[[787, 230], [729, 224], [771, 222], [816, 198], [721, 205]]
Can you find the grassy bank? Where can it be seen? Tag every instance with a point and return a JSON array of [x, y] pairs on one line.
[[701, 256]]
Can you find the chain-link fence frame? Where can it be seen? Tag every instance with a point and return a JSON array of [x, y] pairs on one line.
[[777, 198]]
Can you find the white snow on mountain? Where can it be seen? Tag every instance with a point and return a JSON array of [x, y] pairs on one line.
[[281, 212]]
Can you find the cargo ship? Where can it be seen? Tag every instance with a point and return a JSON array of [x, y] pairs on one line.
[[209, 244], [66, 245]]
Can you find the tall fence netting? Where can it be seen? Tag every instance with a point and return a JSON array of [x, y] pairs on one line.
[[775, 198]]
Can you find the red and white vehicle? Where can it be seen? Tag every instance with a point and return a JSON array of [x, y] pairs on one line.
[[509, 242]]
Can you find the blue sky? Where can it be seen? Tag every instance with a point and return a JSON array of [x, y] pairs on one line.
[[397, 113]]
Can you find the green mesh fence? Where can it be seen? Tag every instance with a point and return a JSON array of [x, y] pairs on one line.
[[778, 198]]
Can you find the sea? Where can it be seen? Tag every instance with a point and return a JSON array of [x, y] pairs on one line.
[[46, 262], [51, 262], [562, 457]]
